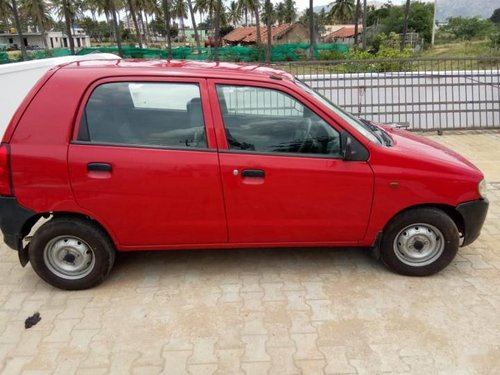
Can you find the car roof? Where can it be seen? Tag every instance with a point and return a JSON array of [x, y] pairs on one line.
[[184, 68]]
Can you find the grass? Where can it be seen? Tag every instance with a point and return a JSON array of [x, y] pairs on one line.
[[476, 48]]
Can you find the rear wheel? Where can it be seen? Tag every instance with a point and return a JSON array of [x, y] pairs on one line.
[[420, 242], [71, 253]]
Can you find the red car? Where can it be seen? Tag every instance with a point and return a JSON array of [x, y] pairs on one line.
[[141, 155]]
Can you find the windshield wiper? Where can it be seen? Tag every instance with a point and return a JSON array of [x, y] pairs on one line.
[[379, 133]]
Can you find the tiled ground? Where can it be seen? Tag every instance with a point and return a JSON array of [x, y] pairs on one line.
[[268, 311]]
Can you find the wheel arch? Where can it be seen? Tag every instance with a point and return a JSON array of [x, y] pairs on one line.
[[447, 209], [33, 220]]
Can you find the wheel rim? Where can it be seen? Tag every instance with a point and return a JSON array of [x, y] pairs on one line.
[[418, 245], [69, 257]]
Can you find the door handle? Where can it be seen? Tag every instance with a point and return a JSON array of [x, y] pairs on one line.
[[253, 173], [99, 167]]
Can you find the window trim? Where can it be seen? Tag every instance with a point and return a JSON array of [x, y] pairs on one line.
[[219, 119], [204, 95], [153, 147]]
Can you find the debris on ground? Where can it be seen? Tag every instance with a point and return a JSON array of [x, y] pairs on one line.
[[32, 320]]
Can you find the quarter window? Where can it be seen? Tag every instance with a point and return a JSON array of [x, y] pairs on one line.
[[145, 114], [270, 121]]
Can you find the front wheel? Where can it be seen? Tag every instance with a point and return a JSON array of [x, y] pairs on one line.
[[420, 242], [71, 253]]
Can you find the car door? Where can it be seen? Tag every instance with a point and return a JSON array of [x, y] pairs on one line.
[[144, 162], [283, 178]]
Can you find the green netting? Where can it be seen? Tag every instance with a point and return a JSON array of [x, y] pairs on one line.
[[4, 58], [280, 52]]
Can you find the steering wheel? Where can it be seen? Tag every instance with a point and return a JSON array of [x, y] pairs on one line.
[[307, 134]]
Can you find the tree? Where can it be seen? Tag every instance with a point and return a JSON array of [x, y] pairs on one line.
[[495, 17], [132, 7], [67, 22], [180, 10], [311, 30], [342, 11], [356, 21], [38, 12], [269, 22], [467, 28], [166, 15], [290, 11], [405, 24], [17, 21], [391, 18], [280, 13], [193, 21]]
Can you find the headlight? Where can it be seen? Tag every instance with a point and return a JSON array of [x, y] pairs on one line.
[[482, 189]]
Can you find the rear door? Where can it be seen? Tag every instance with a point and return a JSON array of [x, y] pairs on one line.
[[284, 180], [144, 163]]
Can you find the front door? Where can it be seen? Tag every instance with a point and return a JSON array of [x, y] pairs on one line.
[[144, 163], [283, 178]]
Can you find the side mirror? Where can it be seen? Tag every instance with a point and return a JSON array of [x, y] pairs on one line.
[[351, 149]]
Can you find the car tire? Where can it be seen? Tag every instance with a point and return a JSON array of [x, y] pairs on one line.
[[71, 253], [420, 242]]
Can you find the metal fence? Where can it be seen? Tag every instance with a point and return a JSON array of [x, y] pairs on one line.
[[424, 94]]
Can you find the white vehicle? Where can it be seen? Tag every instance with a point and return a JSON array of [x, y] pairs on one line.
[[17, 79]]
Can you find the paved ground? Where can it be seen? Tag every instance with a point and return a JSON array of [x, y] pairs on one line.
[[276, 311]]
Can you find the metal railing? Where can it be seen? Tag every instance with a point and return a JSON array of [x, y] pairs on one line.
[[424, 94]]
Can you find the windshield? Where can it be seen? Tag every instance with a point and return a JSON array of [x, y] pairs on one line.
[[364, 129]]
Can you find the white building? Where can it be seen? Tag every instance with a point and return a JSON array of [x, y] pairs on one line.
[[54, 39]]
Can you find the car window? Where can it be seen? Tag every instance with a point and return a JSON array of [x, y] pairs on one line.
[[144, 114], [267, 120]]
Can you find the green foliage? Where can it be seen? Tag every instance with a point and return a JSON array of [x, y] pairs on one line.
[[391, 17], [388, 58], [495, 37], [342, 11], [467, 28], [331, 55]]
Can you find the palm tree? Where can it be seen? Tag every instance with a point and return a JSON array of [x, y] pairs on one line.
[[193, 21], [180, 11], [311, 29], [256, 6], [405, 25], [234, 13], [269, 22], [253, 6], [356, 21], [342, 11], [290, 11], [114, 20], [218, 11], [66, 10], [280, 13], [132, 7], [38, 11], [5, 12], [166, 14], [15, 13]]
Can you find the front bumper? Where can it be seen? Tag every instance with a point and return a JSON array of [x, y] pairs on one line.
[[13, 218], [473, 214]]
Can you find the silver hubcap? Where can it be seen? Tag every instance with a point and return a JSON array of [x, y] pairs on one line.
[[69, 257], [419, 245]]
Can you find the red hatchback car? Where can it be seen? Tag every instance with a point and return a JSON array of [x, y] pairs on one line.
[[141, 155]]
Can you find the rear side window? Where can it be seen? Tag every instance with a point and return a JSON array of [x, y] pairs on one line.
[[145, 114]]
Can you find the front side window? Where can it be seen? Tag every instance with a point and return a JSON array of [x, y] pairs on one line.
[[145, 114], [270, 121]]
